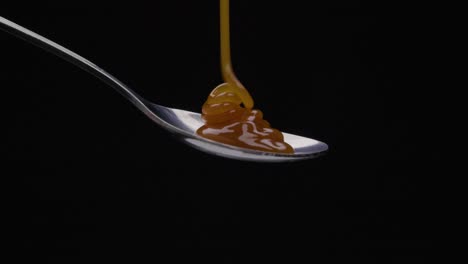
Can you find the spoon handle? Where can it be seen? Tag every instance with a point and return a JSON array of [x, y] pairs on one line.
[[75, 59]]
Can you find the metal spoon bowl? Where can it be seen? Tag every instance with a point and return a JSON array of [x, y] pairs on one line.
[[183, 124]]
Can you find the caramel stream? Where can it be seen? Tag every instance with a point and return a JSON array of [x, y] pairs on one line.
[[226, 120]]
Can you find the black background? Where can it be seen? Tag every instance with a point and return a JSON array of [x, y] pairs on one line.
[[97, 178]]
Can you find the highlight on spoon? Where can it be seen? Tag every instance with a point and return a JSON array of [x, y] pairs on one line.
[[304, 148]]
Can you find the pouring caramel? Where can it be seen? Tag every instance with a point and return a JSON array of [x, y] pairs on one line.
[[228, 112]]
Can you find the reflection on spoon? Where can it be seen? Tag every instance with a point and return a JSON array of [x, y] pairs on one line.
[[183, 124]]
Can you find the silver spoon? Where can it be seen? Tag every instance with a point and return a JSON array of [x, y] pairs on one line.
[[181, 123]]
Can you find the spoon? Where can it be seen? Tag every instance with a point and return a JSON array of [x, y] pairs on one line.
[[182, 124]]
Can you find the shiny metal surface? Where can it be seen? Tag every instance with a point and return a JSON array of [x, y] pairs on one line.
[[181, 123]]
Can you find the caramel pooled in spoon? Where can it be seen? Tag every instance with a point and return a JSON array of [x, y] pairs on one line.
[[227, 122]]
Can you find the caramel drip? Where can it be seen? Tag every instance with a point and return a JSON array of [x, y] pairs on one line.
[[226, 120]]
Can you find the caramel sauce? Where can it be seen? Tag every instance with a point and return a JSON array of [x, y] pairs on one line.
[[228, 112]]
